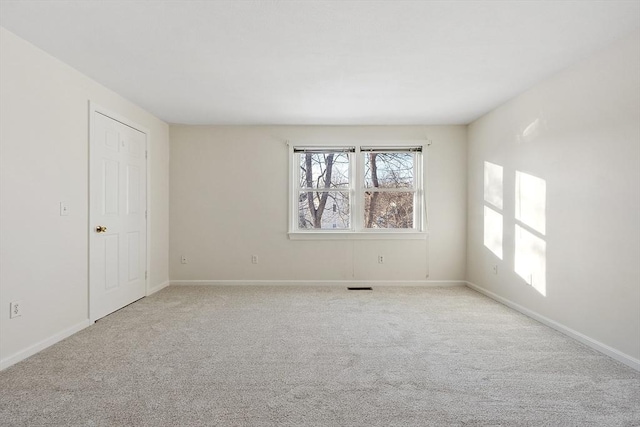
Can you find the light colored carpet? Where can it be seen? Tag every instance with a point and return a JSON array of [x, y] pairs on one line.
[[267, 356]]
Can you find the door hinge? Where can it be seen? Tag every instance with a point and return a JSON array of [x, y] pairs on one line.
[[146, 154], [145, 214], [146, 274]]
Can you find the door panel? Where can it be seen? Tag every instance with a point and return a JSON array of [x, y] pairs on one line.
[[111, 261], [133, 190], [111, 187], [111, 140], [133, 251], [117, 201]]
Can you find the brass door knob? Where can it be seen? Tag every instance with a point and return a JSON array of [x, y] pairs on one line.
[[101, 229]]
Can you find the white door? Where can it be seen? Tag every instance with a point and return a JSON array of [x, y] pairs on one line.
[[117, 215]]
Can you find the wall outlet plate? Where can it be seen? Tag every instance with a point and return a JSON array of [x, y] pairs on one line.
[[15, 309]]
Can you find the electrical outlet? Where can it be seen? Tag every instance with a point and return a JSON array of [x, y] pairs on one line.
[[380, 259], [254, 259], [495, 269], [16, 309], [183, 259]]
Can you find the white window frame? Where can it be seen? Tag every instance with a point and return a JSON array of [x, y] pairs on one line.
[[356, 191]]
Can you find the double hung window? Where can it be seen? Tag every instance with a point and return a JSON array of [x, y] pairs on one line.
[[357, 190], [324, 188]]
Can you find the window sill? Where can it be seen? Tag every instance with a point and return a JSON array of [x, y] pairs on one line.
[[362, 235]]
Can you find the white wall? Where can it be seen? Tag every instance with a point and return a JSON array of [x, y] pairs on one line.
[[229, 189], [580, 132], [44, 160]]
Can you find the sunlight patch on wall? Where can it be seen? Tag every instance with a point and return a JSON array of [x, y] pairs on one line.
[[493, 231], [493, 200], [530, 259], [532, 130], [530, 245], [493, 184], [531, 196]]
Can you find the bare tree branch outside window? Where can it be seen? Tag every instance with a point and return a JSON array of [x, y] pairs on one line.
[[324, 202]]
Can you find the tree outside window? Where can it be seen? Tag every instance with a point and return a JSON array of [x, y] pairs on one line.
[[378, 189]]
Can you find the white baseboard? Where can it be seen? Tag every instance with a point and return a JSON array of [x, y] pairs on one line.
[[345, 283], [48, 342], [590, 342], [155, 288]]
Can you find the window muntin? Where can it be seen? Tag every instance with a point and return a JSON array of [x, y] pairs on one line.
[[357, 189]]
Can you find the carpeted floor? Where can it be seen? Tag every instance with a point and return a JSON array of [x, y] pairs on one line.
[[314, 356]]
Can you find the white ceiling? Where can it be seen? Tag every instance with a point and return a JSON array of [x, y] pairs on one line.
[[319, 62]]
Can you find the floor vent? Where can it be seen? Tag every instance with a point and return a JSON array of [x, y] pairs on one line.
[[361, 289]]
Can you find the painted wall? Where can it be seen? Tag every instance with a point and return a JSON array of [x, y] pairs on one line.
[[569, 152], [229, 198], [44, 160]]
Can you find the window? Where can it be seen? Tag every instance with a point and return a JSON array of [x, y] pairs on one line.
[[323, 188], [356, 190], [389, 188]]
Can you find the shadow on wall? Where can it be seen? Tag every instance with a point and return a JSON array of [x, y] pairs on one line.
[[529, 222]]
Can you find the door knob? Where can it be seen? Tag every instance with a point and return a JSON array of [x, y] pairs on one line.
[[101, 229]]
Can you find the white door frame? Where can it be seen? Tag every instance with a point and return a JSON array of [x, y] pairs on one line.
[[93, 109]]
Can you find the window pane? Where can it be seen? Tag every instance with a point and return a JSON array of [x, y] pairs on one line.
[[324, 170], [388, 209], [323, 209], [388, 170]]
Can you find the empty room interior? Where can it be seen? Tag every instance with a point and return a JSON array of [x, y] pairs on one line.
[[320, 213]]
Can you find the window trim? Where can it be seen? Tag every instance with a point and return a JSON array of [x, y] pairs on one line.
[[356, 190]]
